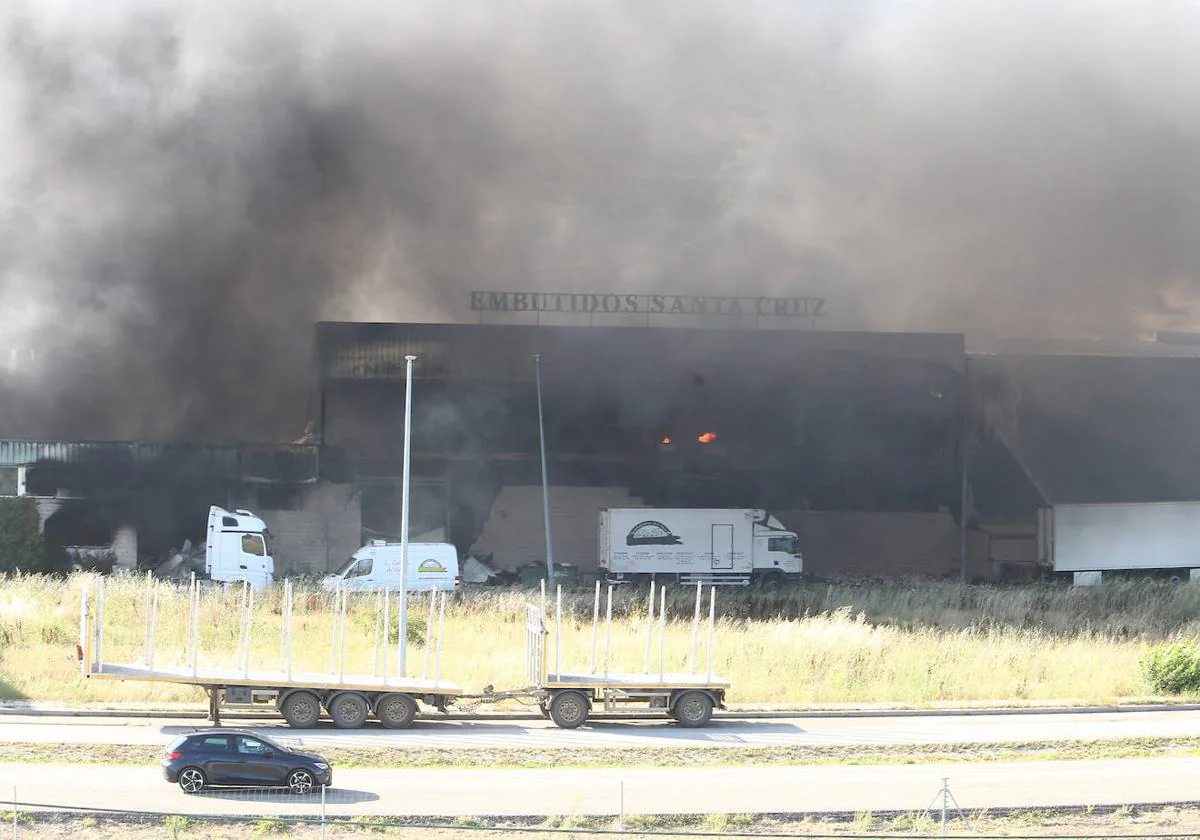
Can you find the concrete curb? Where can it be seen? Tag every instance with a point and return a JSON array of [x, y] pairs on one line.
[[733, 714]]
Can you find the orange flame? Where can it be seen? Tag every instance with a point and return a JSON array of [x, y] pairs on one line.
[[707, 437]]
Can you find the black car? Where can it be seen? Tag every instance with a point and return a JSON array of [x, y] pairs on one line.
[[231, 757]]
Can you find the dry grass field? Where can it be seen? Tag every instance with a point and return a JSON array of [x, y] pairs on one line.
[[919, 643]]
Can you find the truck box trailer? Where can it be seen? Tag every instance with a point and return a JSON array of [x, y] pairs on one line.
[[693, 545], [1090, 539]]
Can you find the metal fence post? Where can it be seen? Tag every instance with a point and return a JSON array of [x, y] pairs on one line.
[[322, 812], [14, 812]]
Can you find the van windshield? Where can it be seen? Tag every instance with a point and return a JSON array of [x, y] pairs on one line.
[[345, 567]]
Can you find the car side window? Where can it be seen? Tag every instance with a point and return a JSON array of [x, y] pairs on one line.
[[215, 743], [251, 746]]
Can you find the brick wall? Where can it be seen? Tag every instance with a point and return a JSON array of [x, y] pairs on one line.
[[319, 536]]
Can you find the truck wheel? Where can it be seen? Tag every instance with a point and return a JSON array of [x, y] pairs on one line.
[[348, 710], [396, 711], [693, 708], [301, 709], [568, 709]]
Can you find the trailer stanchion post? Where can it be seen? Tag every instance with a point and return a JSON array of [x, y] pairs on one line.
[[649, 626], [387, 630], [428, 632], [695, 630], [100, 626], [378, 619], [608, 631], [595, 626], [146, 638], [662, 628], [85, 644], [153, 630], [242, 625], [712, 613], [342, 638], [249, 628], [437, 674], [333, 639], [558, 633]]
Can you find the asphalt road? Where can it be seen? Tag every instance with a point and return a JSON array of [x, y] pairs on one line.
[[497, 734], [645, 791]]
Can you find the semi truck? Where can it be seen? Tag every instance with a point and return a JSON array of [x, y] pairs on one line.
[[1087, 540], [238, 548], [697, 545]]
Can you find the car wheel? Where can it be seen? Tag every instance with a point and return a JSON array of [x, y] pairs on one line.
[[301, 782], [396, 711], [568, 709], [693, 708], [301, 709], [192, 780], [348, 710]]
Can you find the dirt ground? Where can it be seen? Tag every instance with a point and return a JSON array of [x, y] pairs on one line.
[[1123, 822]]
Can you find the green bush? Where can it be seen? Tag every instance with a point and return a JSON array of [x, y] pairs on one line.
[[1173, 668], [22, 548]]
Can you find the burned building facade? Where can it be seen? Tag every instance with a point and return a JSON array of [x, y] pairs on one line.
[[793, 420]]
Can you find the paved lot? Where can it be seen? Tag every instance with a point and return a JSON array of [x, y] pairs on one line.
[[646, 791], [457, 734]]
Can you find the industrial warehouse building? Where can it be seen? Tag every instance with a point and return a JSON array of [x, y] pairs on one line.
[[859, 441]]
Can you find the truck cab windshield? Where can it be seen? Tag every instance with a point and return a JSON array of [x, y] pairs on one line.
[[345, 567], [787, 545]]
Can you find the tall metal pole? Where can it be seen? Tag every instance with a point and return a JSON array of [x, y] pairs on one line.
[[402, 641], [537, 365], [964, 455]]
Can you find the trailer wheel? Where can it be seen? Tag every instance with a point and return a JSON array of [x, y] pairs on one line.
[[301, 709], [693, 708], [568, 709], [348, 710], [396, 711]]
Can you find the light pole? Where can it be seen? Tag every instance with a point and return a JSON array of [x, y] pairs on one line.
[[964, 456], [402, 636], [537, 367]]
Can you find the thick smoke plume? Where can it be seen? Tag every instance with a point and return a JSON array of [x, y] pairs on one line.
[[186, 186]]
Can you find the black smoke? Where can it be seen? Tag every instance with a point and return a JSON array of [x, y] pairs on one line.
[[187, 186]]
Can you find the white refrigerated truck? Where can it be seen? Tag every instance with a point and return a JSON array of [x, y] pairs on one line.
[[697, 545], [1090, 539]]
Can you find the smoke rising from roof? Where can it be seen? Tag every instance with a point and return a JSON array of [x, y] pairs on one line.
[[186, 186]]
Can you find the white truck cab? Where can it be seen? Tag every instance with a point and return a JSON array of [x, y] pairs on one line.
[[776, 549], [238, 548], [376, 566]]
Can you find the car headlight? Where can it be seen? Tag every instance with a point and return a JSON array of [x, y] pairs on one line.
[[320, 765]]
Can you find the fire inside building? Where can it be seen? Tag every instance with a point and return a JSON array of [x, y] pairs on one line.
[[869, 445]]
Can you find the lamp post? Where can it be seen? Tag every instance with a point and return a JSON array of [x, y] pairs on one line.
[[537, 367], [402, 635]]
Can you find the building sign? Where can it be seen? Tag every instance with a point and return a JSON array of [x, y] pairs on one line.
[[614, 304]]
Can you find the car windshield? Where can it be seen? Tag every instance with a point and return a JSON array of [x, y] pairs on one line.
[[345, 567], [271, 744]]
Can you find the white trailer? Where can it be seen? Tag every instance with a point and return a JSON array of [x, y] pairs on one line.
[[1090, 539], [567, 696], [348, 699], [693, 545]]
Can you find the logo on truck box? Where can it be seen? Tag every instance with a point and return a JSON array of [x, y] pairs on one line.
[[430, 566], [651, 533]]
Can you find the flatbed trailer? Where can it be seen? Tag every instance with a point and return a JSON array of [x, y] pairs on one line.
[[300, 697], [568, 696]]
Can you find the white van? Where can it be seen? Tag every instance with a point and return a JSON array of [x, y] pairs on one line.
[[238, 548], [376, 566]]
